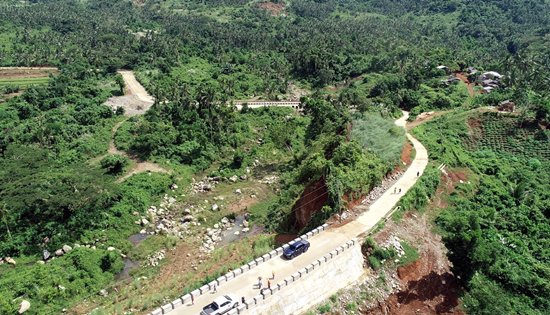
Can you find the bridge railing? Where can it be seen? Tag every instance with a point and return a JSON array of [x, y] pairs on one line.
[[257, 104]]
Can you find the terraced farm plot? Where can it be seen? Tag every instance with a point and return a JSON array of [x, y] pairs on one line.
[[23, 82], [502, 133], [23, 77]]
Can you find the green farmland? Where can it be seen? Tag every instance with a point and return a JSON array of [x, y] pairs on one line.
[[22, 82]]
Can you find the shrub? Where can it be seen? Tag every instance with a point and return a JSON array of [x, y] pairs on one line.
[[81, 272], [263, 245], [351, 306], [114, 163], [419, 195], [323, 309]]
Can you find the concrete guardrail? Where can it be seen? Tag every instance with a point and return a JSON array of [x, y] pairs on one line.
[[309, 269], [233, 274]]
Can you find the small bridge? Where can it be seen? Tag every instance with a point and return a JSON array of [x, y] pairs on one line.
[[257, 104]]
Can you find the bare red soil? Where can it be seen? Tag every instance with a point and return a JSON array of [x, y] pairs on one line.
[[462, 77], [406, 153], [426, 291], [313, 198], [427, 285], [275, 9]]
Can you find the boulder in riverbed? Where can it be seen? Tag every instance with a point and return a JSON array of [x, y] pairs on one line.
[[24, 306], [67, 248]]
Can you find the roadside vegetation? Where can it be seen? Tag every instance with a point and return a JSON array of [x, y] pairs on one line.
[[495, 227]]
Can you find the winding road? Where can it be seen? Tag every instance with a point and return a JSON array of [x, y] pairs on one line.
[[244, 285]]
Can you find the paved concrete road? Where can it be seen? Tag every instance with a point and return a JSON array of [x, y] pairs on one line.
[[321, 244]]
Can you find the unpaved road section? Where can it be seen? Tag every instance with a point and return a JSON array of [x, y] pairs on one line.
[[243, 286], [136, 100], [462, 77], [140, 166]]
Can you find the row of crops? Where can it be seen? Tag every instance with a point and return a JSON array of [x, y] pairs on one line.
[[505, 133]]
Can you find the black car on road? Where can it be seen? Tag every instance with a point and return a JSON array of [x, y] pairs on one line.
[[296, 249]]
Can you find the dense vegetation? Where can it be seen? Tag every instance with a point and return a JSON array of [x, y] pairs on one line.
[[344, 167], [58, 186], [247, 52], [497, 226]]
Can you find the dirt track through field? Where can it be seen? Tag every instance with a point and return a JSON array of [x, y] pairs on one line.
[[139, 166], [136, 101], [464, 79]]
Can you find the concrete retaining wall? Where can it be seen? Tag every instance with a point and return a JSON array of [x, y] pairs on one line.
[[234, 273], [310, 285]]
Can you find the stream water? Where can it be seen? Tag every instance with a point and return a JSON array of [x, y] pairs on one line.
[[129, 264], [229, 236]]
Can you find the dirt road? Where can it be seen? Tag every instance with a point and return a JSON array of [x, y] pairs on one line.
[[136, 100], [464, 79], [133, 87]]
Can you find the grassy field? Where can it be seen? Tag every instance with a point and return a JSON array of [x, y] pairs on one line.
[[19, 78], [23, 82], [379, 135]]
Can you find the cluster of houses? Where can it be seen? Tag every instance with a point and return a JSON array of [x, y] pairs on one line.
[[489, 80]]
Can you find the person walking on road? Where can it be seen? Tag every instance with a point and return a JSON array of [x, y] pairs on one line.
[[260, 283], [417, 174], [242, 300], [395, 190], [399, 190], [214, 288]]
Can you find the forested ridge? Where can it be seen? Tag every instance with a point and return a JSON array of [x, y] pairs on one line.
[[356, 65]]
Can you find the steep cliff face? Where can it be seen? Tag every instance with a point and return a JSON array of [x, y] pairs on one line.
[[313, 199], [315, 194]]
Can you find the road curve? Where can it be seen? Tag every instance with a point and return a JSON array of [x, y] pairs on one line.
[[244, 285]]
